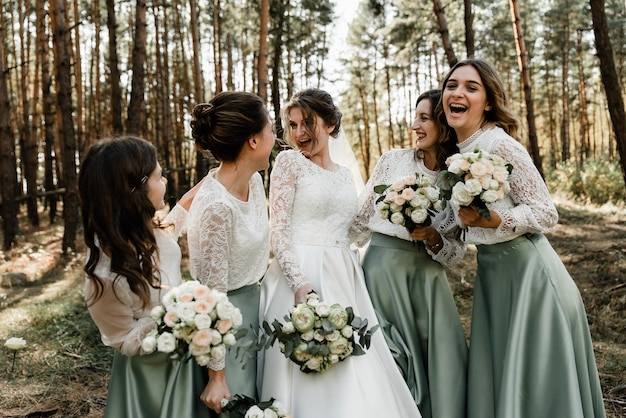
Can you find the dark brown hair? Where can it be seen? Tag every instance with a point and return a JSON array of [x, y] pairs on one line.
[[446, 145], [226, 122], [117, 214]]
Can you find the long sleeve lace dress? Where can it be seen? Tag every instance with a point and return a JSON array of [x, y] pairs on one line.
[[311, 211]]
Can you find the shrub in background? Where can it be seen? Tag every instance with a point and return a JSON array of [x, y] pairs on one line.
[[599, 181]]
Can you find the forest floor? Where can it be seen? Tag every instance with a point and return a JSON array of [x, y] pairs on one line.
[[64, 369]]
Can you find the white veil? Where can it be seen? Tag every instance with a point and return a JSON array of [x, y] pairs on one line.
[[341, 153]]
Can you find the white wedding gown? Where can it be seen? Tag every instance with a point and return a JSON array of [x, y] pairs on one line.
[[311, 211]]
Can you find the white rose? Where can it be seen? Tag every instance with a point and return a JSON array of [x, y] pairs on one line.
[[347, 331], [332, 336], [254, 412], [420, 201], [229, 339], [166, 343], [391, 196], [203, 321], [395, 208], [300, 353], [458, 166], [500, 175], [203, 360], [279, 408], [199, 350], [489, 196], [225, 309], [157, 313], [314, 363], [438, 205], [322, 309], [473, 186], [216, 337], [186, 311], [149, 343], [460, 196], [15, 343], [303, 317], [397, 218], [318, 336], [269, 413], [432, 193], [419, 215], [506, 187], [218, 352], [384, 212], [288, 328], [308, 336]]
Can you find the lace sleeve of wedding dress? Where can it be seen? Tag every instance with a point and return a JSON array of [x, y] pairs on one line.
[[114, 316], [282, 196], [534, 210]]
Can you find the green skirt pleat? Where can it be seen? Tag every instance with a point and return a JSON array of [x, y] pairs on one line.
[[155, 386], [421, 323], [241, 371], [530, 348]]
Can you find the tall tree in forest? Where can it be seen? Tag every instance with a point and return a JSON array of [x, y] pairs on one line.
[[137, 99], [43, 52], [66, 130], [114, 71], [469, 28], [28, 141], [610, 78], [527, 83], [585, 148], [202, 166], [217, 44], [445, 33], [8, 165], [263, 40], [78, 76]]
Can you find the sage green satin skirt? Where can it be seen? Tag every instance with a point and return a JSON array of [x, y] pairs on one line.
[[241, 372], [155, 386], [421, 323], [530, 348]]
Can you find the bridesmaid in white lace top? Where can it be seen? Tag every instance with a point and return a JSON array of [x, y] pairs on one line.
[[405, 274], [530, 348], [229, 230], [130, 265]]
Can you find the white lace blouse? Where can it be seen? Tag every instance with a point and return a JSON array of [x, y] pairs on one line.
[[528, 207], [228, 238], [391, 166], [309, 205], [119, 314]]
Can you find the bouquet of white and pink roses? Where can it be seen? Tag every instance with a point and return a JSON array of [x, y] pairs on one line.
[[475, 178], [316, 335], [242, 406], [196, 319], [408, 201]]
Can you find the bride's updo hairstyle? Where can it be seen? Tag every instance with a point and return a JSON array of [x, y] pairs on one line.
[[224, 124], [312, 102]]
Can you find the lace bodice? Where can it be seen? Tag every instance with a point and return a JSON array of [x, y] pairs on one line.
[[308, 205], [528, 207], [392, 165], [228, 238], [122, 320]]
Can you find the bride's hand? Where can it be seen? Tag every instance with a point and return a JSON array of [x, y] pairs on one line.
[[302, 292]]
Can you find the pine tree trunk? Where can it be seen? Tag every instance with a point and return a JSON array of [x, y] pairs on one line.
[[134, 120], [8, 164], [262, 64], [610, 79], [66, 131], [114, 76], [445, 34], [528, 94]]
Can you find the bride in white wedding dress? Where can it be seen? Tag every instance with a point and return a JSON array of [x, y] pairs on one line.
[[312, 205]]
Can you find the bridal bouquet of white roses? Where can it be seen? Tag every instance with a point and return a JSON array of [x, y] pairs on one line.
[[196, 319], [475, 178], [242, 406], [316, 335], [408, 201]]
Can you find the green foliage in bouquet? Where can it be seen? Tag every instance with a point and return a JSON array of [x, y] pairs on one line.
[[315, 335]]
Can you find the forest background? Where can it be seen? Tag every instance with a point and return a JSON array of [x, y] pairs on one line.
[[75, 71]]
